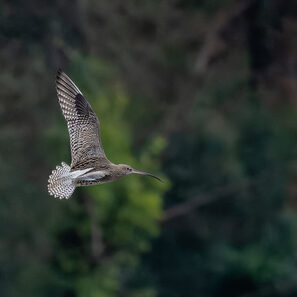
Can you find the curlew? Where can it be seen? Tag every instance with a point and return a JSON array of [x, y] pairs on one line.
[[89, 164]]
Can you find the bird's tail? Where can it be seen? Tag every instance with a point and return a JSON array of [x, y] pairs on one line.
[[60, 182]]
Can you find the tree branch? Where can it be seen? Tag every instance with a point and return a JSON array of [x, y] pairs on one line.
[[214, 43], [188, 206]]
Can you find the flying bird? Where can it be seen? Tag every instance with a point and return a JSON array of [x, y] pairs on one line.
[[89, 164]]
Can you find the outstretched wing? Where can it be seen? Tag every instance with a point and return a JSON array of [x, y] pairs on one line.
[[83, 124]]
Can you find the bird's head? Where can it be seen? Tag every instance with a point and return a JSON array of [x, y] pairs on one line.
[[126, 170]]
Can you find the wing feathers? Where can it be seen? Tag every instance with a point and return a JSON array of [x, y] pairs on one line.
[[82, 122], [64, 79], [64, 88], [82, 106]]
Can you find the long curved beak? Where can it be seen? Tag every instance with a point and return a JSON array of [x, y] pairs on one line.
[[146, 173]]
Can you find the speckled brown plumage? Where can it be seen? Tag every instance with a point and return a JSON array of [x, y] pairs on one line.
[[82, 122], [89, 165]]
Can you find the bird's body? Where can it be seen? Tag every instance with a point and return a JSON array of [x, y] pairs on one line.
[[101, 173], [89, 165]]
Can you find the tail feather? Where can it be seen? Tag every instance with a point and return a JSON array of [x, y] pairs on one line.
[[60, 182]]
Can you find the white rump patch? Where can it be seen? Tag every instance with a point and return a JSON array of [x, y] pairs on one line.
[[75, 174], [92, 176]]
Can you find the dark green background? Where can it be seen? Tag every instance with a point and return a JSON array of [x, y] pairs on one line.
[[203, 94]]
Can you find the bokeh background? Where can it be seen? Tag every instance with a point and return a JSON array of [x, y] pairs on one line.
[[202, 93]]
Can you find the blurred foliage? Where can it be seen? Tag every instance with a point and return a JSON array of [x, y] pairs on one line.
[[127, 211], [202, 93]]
